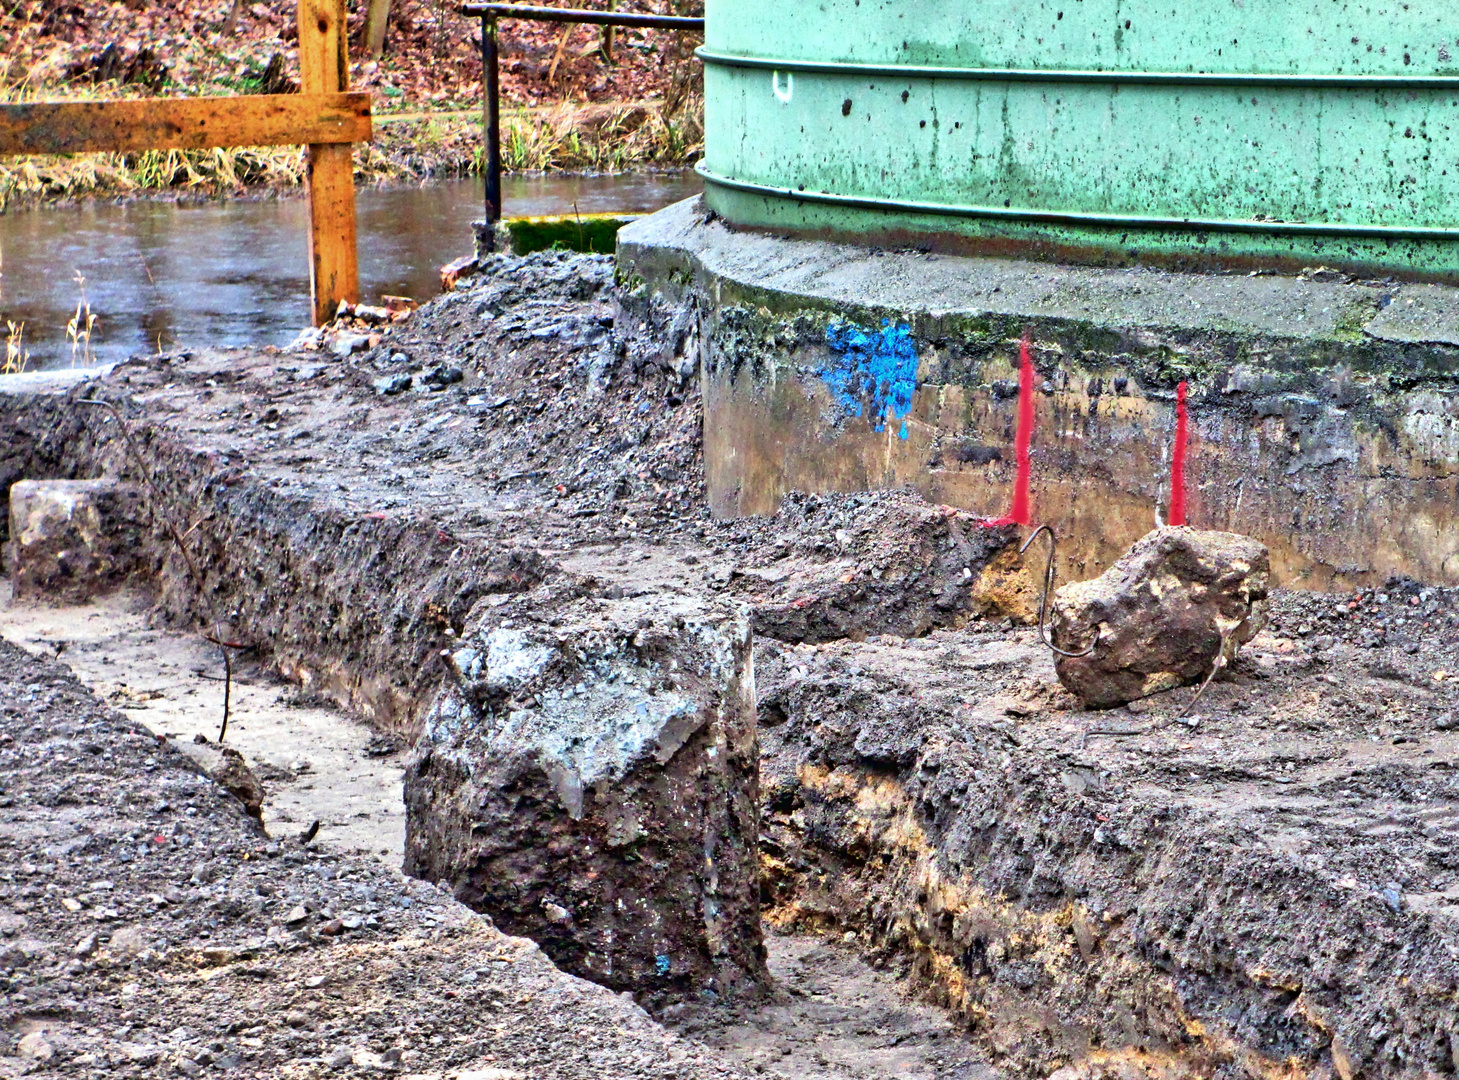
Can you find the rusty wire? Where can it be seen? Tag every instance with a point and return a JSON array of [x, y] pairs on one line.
[[216, 637], [1046, 633]]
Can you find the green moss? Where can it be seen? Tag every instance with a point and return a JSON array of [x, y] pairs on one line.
[[597, 233]]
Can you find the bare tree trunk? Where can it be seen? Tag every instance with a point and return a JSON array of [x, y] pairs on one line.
[[230, 21], [377, 15]]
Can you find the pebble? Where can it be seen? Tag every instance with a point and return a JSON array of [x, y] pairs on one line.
[[389, 385]]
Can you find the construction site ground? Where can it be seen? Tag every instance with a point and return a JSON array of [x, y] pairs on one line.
[[1266, 877]]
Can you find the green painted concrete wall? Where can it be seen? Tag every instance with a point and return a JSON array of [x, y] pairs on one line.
[[1237, 132]]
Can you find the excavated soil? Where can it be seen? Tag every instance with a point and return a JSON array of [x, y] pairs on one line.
[[1265, 887]]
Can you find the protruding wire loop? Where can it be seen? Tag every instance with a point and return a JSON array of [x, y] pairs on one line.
[[1046, 635]]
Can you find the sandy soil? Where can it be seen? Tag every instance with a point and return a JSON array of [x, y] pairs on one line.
[[315, 763]]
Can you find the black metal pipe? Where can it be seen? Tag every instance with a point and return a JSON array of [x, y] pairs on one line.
[[581, 15], [489, 77]]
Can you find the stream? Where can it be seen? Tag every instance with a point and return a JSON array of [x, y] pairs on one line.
[[163, 275]]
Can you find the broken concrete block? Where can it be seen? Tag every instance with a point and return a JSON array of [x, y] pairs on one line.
[[591, 782], [849, 565], [1162, 615], [71, 540]]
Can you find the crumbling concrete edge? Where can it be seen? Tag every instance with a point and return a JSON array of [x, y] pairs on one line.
[[1409, 330]]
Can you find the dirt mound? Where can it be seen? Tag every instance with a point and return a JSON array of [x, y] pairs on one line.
[[849, 565]]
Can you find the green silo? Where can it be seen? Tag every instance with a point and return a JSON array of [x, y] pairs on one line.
[[1283, 133]]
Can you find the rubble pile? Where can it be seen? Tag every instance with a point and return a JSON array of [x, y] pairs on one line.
[[848, 565]]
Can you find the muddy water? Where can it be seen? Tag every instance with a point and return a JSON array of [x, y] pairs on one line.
[[175, 275]]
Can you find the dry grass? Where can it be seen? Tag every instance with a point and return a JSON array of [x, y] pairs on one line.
[[564, 138], [16, 354]]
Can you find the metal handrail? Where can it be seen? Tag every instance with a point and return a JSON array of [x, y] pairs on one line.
[[581, 15], [490, 75]]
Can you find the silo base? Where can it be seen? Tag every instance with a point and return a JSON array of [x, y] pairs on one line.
[[1323, 411]]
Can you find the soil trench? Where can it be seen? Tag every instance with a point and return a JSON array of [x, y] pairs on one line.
[[832, 1017], [1264, 888]]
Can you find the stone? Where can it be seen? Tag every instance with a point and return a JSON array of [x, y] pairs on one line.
[[36, 1047], [389, 385], [589, 752], [72, 540], [226, 768], [348, 344], [455, 270], [1179, 602]]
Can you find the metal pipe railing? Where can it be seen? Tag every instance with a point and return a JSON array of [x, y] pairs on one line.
[[581, 15], [490, 77]]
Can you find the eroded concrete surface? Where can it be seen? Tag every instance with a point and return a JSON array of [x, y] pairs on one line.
[[1325, 411], [1268, 891]]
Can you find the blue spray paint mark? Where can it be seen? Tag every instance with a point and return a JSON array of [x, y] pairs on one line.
[[875, 366], [662, 963]]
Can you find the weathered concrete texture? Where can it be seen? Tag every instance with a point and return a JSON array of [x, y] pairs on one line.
[[834, 566], [1173, 608], [591, 783], [1325, 412], [71, 540]]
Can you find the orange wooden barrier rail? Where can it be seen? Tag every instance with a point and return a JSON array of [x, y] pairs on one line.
[[324, 116]]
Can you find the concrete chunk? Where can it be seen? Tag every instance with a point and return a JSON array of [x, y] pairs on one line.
[[71, 540], [1162, 615], [590, 782]]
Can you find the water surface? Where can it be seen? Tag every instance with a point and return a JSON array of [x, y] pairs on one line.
[[172, 275]]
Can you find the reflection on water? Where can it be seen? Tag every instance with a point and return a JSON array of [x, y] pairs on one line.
[[236, 273]]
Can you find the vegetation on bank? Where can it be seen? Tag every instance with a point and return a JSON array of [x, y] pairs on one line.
[[566, 104]]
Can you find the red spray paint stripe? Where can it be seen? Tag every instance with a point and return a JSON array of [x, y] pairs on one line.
[[1022, 437], [1177, 458]]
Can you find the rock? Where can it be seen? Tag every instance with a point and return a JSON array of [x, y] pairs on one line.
[[389, 385], [1164, 613], [36, 1047], [72, 540], [85, 947], [442, 376], [348, 344], [296, 915], [455, 270], [226, 768], [233, 776], [623, 732]]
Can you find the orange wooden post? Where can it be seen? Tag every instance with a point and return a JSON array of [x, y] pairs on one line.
[[324, 69]]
